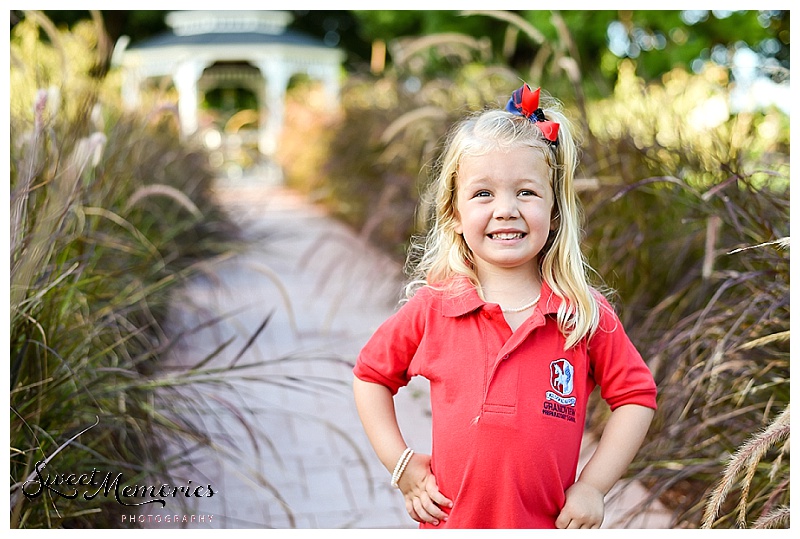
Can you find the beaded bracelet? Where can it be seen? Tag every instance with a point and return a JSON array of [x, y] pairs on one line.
[[400, 467]]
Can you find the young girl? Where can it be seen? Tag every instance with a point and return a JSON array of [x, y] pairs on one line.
[[503, 323]]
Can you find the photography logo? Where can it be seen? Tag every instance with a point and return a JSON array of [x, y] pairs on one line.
[[88, 485]]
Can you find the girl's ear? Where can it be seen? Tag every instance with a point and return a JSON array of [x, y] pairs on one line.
[[456, 217], [457, 224]]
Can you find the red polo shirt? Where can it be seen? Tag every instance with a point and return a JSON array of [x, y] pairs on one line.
[[508, 407]]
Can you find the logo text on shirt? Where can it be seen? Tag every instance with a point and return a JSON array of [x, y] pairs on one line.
[[558, 403]]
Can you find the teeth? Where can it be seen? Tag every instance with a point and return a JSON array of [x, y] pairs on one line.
[[507, 236]]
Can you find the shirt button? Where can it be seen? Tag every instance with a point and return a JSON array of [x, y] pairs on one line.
[[487, 315], [505, 356]]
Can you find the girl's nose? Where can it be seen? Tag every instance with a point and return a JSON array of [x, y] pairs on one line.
[[506, 207]]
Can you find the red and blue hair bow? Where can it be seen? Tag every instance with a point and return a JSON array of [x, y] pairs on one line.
[[525, 102]]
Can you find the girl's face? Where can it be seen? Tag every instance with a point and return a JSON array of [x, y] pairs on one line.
[[504, 203]]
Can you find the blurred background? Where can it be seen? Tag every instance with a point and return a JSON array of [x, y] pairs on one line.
[[684, 176]]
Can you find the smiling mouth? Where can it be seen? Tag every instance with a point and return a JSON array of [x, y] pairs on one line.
[[507, 236]]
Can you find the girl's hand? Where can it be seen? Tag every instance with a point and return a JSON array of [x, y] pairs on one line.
[[583, 509], [424, 502]]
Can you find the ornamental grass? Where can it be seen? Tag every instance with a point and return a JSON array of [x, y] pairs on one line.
[[109, 212], [694, 237]]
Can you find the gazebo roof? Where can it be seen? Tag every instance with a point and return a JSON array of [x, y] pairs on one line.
[[258, 37], [169, 39], [210, 28]]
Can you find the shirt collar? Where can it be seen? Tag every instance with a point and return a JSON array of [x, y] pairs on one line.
[[465, 299]]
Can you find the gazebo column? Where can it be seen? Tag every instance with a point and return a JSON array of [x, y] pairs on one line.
[[131, 83], [186, 76], [330, 79], [271, 105]]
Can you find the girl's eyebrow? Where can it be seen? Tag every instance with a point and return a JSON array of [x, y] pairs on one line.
[[470, 182], [520, 180], [539, 183]]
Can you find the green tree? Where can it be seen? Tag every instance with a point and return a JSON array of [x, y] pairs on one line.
[[599, 40]]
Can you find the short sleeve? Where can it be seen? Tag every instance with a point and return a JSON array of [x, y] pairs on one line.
[[386, 357], [617, 366]]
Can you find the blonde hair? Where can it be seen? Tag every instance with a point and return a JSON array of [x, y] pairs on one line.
[[443, 254]]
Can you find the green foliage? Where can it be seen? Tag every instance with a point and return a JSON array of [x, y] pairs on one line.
[[658, 40], [391, 24], [664, 40], [109, 211]]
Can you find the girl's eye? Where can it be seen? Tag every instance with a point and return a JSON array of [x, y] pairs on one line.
[[527, 193], [483, 193]]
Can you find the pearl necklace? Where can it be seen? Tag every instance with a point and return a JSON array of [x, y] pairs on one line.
[[524, 307]]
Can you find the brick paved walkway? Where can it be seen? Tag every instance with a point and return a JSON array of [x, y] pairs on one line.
[[291, 450]]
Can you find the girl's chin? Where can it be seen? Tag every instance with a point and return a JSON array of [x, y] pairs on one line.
[[527, 264]]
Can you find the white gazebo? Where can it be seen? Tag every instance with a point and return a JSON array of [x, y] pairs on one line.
[[216, 49]]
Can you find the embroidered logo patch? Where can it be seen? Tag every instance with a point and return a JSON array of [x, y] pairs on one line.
[[561, 376], [558, 403]]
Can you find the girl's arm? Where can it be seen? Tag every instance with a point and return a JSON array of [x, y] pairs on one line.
[[621, 439], [375, 406]]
